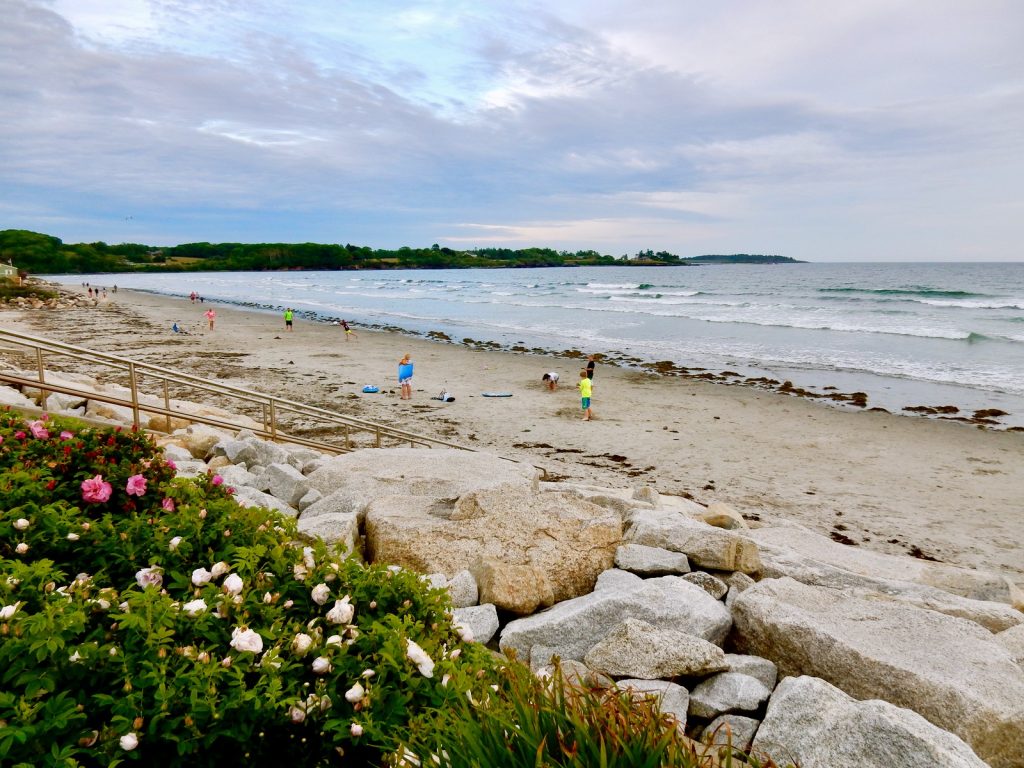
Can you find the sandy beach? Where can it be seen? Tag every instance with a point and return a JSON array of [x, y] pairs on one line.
[[897, 484]]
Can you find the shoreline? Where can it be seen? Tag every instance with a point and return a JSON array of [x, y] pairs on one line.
[[882, 481]]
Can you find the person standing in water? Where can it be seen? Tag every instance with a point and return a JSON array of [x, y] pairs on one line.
[[405, 376]]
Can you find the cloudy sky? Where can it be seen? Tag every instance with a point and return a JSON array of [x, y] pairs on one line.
[[875, 130]]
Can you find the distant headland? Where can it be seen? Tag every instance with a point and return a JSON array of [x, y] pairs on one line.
[[40, 253]]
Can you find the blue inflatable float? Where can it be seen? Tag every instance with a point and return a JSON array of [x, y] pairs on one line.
[[370, 389]]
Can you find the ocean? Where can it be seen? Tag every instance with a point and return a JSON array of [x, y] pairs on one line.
[[906, 334]]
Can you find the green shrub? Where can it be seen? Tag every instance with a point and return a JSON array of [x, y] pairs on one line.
[[523, 721], [149, 619]]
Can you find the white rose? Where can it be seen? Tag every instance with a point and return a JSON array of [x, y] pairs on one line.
[[299, 571], [464, 632], [307, 558], [342, 612], [301, 643], [173, 543], [368, 673], [9, 610], [296, 715], [333, 640], [149, 577], [21, 524], [355, 693], [420, 658], [246, 640], [72, 537], [233, 584], [129, 742], [22, 548], [356, 729], [201, 576], [321, 665], [320, 593], [219, 569], [75, 657], [195, 607]]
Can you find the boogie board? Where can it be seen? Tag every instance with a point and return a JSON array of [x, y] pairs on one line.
[[496, 394], [371, 389]]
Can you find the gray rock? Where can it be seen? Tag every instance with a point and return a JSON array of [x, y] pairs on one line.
[[703, 544], [638, 649], [200, 439], [251, 451], [650, 561], [235, 477], [355, 479], [648, 494], [672, 699], [816, 725], [11, 396], [951, 671], [615, 578], [190, 468], [58, 402], [463, 590], [977, 585], [780, 561], [250, 497], [1012, 640], [312, 497], [574, 626], [177, 453], [333, 527], [713, 586], [732, 730], [758, 668], [285, 482], [301, 457], [727, 692], [574, 673], [482, 621]]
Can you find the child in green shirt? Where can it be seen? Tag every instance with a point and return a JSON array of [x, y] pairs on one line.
[[586, 387]]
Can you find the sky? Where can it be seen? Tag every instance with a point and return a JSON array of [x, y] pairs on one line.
[[876, 130]]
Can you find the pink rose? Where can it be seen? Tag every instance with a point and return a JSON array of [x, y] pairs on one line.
[[171, 464], [19, 435], [136, 485], [38, 430], [217, 480], [168, 504], [65, 435], [95, 489]]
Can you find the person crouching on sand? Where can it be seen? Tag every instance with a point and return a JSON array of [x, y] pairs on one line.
[[405, 377], [586, 388], [551, 379]]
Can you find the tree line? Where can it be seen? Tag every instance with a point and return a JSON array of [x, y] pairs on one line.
[[40, 253]]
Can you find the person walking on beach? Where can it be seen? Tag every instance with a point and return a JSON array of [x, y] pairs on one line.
[[590, 367], [192, 296], [405, 376], [349, 333], [552, 380], [210, 315], [586, 388], [289, 314]]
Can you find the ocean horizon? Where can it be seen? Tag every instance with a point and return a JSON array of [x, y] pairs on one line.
[[920, 334]]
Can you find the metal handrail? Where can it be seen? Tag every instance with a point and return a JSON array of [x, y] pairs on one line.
[[271, 405]]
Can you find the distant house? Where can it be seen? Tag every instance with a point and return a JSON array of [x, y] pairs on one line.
[[9, 272]]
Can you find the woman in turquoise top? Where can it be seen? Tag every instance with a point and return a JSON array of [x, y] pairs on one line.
[[405, 377]]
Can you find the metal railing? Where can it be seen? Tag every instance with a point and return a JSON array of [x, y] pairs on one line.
[[353, 432]]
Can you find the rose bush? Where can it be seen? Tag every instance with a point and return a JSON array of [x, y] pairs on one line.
[[133, 627]]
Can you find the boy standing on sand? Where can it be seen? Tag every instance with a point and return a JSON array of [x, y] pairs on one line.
[[289, 315], [586, 387]]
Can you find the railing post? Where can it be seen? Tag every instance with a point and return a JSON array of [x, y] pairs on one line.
[[133, 384], [348, 441], [167, 405], [42, 378], [273, 421], [376, 430]]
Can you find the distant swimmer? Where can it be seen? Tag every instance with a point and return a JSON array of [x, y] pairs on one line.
[[552, 380]]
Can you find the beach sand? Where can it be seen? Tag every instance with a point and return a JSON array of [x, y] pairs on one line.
[[897, 484]]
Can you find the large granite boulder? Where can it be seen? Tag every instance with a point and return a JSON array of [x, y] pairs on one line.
[[951, 671], [352, 480], [978, 585], [480, 620], [670, 698], [11, 396], [650, 561], [200, 439], [573, 627], [816, 725], [1012, 640], [727, 692], [782, 561], [638, 649], [704, 545], [563, 541], [285, 482], [732, 730]]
